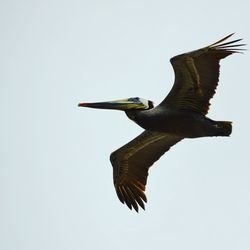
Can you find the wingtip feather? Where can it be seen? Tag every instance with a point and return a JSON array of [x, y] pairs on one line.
[[221, 40]]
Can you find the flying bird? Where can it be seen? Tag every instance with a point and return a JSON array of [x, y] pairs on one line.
[[182, 114]]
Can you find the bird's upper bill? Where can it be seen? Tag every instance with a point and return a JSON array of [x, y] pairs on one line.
[[123, 104]]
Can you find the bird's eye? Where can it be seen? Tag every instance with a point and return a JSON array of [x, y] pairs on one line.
[[134, 99]]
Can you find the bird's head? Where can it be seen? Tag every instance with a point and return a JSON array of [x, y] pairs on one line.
[[133, 103]]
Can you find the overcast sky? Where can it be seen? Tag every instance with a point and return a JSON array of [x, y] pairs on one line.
[[56, 187]]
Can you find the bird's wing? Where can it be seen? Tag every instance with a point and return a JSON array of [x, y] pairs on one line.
[[132, 161], [197, 76]]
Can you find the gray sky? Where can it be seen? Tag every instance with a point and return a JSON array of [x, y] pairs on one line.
[[56, 189]]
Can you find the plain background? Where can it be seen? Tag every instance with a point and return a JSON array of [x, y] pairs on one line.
[[56, 187]]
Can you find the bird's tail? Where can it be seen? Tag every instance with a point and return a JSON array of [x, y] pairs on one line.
[[224, 128]]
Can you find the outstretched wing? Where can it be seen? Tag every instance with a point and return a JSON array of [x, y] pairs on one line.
[[197, 76], [132, 161]]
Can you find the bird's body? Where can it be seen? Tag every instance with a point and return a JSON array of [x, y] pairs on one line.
[[182, 114], [186, 124]]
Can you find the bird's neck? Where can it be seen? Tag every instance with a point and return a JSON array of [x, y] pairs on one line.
[[132, 114], [137, 116]]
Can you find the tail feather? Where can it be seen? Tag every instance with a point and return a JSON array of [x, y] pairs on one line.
[[224, 128]]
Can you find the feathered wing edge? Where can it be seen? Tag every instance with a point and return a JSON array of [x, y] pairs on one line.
[[228, 45]]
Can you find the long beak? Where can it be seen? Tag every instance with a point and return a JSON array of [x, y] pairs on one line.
[[123, 104]]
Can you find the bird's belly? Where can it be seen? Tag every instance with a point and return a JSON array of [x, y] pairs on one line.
[[181, 124]]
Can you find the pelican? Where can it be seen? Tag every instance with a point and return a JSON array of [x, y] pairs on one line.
[[182, 114]]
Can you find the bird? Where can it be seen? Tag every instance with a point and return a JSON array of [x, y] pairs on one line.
[[182, 114]]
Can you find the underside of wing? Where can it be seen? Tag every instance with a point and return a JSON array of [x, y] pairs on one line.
[[132, 161], [197, 76]]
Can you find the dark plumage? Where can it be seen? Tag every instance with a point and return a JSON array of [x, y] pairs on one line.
[[182, 114]]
